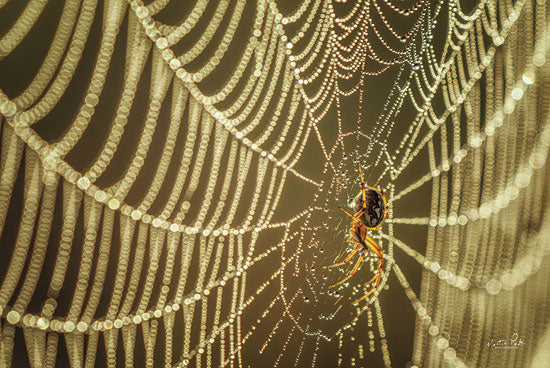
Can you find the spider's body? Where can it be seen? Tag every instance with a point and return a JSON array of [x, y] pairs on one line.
[[370, 210], [375, 210]]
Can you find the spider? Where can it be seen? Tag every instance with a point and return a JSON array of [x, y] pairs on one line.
[[371, 208]]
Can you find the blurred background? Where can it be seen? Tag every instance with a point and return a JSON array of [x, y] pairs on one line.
[[172, 172]]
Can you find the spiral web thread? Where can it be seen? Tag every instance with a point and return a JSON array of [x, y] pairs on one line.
[[160, 268]]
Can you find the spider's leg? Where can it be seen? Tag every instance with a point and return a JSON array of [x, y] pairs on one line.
[[354, 218], [365, 296], [375, 228], [375, 248], [376, 278], [363, 185], [385, 204], [347, 258], [352, 271], [376, 275]]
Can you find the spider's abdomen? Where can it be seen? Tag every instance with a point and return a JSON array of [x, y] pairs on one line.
[[376, 209]]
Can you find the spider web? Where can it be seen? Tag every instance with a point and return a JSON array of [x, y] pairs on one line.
[[174, 172]]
